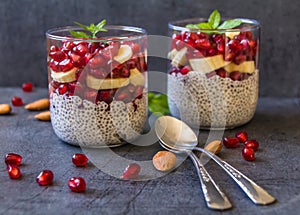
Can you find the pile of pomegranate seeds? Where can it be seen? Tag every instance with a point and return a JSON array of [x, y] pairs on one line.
[[249, 145], [131, 172], [17, 101]]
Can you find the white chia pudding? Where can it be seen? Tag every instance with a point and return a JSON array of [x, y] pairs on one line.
[[81, 122], [212, 102]]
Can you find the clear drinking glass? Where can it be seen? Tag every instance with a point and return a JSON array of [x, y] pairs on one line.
[[98, 87], [213, 74]]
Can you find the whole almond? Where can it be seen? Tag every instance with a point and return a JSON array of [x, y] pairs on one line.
[[43, 116], [214, 146], [41, 104], [164, 160], [5, 109]]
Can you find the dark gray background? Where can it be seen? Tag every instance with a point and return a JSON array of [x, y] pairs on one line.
[[24, 22]]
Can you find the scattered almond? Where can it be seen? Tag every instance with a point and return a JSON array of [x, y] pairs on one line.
[[5, 109], [43, 116], [164, 160], [41, 104], [214, 146]]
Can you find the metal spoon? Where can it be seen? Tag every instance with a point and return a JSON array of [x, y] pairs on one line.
[[214, 197], [176, 135]]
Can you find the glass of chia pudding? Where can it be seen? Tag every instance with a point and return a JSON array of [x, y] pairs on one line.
[[213, 71], [97, 83]]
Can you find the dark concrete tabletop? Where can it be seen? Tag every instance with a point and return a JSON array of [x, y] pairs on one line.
[[276, 168]]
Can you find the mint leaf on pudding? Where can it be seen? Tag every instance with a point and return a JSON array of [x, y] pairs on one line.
[[158, 103], [92, 28], [214, 19], [214, 23], [229, 24]]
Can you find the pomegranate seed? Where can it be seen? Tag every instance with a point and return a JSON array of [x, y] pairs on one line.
[[132, 171], [54, 65], [58, 56], [242, 136], [211, 52], [63, 88], [235, 76], [65, 65], [97, 61], [190, 43], [229, 55], [77, 60], [222, 73], [80, 160], [185, 70], [13, 171], [93, 47], [253, 144], [45, 178], [13, 159], [77, 184], [16, 101], [106, 95], [27, 87], [248, 154], [81, 49], [221, 48], [202, 44], [230, 142], [99, 73], [91, 95], [54, 49], [68, 45], [135, 48], [240, 59]]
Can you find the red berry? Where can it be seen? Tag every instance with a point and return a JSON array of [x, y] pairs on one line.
[[77, 184], [17, 101], [13, 171], [230, 142], [79, 160], [248, 154], [58, 55], [65, 65], [13, 159], [242, 136], [253, 144], [132, 171], [45, 178], [27, 87], [78, 60], [81, 49]]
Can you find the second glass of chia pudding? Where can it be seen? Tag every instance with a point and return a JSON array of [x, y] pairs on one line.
[[214, 71], [97, 83]]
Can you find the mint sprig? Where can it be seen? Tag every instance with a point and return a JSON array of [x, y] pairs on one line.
[[213, 23], [93, 29], [158, 103]]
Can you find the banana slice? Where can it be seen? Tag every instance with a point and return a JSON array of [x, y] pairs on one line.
[[136, 77], [180, 58], [124, 54], [172, 54], [208, 64], [105, 84], [231, 34], [245, 67], [64, 77]]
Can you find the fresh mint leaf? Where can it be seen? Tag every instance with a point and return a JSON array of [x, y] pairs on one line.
[[232, 23], [204, 25], [192, 26], [214, 19], [93, 29], [79, 34], [158, 103]]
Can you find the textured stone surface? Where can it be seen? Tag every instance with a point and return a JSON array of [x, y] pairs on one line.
[[276, 168], [23, 24]]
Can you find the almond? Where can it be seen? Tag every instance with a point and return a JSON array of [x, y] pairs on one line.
[[5, 109], [41, 104], [164, 160], [43, 116], [214, 146]]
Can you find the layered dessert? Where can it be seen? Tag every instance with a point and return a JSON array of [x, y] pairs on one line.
[[98, 90], [213, 76]]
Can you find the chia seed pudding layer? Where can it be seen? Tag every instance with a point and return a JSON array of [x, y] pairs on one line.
[[81, 122], [214, 102]]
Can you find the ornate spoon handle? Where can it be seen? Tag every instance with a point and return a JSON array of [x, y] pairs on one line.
[[215, 198]]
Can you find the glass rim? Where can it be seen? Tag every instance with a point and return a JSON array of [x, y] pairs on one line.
[[175, 25], [137, 33]]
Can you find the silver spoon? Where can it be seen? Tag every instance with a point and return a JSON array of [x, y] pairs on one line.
[[176, 135], [214, 197]]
